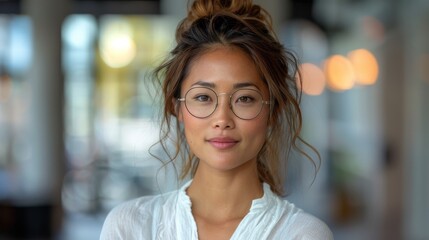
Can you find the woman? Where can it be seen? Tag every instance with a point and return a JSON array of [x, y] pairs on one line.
[[230, 85]]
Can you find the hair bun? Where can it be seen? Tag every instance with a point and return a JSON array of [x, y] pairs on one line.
[[244, 9], [204, 8]]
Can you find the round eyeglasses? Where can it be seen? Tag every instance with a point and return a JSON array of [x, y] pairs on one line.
[[202, 102]]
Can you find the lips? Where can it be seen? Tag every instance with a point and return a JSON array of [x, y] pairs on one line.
[[222, 142]]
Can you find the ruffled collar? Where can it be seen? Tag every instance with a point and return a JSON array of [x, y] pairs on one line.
[[257, 204]]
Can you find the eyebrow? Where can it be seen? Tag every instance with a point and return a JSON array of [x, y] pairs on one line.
[[235, 86]]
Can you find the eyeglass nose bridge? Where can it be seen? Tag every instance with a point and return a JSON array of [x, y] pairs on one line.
[[229, 101]]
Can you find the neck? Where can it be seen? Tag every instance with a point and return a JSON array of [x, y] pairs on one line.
[[223, 196]]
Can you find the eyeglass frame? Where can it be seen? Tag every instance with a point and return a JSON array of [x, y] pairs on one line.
[[263, 102]]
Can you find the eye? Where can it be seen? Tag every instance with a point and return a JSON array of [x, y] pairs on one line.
[[202, 98], [245, 99]]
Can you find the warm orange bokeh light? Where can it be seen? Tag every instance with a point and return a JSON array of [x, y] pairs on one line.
[[340, 73], [313, 79], [365, 66]]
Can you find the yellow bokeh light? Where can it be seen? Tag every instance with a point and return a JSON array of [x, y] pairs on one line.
[[340, 73], [365, 66], [313, 79], [117, 46]]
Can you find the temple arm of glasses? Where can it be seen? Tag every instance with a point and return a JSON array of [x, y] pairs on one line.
[[181, 99]]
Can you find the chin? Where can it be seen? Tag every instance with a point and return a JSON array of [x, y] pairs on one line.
[[225, 164]]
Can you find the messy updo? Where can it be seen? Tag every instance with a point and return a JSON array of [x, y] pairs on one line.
[[243, 25]]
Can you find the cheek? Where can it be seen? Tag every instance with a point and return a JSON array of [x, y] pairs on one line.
[[262, 122], [192, 126], [256, 131], [187, 119], [259, 130]]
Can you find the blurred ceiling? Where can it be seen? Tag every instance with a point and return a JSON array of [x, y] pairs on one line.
[[95, 7]]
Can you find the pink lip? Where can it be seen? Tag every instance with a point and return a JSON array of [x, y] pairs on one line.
[[222, 142]]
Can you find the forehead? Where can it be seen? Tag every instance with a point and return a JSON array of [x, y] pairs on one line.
[[223, 69]]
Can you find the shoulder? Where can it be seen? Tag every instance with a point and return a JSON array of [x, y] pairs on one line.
[[134, 218], [301, 225], [307, 226]]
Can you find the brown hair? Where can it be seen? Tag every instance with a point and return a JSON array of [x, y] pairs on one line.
[[248, 27]]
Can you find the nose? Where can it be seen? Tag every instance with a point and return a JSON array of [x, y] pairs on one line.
[[223, 117]]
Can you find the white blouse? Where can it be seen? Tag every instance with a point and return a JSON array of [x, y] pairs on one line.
[[168, 216]]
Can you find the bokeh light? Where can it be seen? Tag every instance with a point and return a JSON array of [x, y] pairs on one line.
[[312, 79], [365, 66], [79, 31], [117, 46], [340, 73], [19, 51]]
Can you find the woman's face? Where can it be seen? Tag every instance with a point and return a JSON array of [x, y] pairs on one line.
[[223, 141]]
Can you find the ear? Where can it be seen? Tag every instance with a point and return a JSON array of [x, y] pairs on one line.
[[179, 114], [177, 110]]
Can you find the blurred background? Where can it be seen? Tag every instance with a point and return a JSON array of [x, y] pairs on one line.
[[77, 116]]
